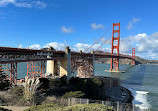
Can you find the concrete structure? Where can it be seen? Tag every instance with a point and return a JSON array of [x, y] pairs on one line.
[[52, 67], [65, 65]]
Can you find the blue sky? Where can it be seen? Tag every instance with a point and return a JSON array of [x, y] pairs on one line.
[[78, 23]]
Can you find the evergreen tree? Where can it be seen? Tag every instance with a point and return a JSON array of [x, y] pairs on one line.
[[4, 83]]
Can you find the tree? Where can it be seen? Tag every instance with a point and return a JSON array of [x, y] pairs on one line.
[[4, 83]]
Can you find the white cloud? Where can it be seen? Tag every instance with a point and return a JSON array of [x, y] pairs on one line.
[[67, 30], [99, 26], [55, 45], [23, 3], [132, 22], [34, 46], [6, 2], [80, 46], [76, 47], [19, 46], [146, 45]]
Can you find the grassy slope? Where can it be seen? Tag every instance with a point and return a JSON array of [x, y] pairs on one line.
[[77, 107]]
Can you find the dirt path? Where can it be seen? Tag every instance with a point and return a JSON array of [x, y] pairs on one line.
[[15, 108]]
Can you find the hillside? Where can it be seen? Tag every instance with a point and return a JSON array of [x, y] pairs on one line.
[[125, 61]]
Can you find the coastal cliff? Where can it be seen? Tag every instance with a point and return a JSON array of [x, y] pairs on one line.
[[102, 88]]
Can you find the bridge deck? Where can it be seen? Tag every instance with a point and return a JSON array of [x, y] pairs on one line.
[[8, 54]]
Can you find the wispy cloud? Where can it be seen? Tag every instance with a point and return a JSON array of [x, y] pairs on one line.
[[56, 45], [61, 46], [34, 46], [99, 26], [132, 22], [23, 3], [67, 30], [20, 46]]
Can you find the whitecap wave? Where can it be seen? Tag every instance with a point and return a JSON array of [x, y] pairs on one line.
[[142, 92], [140, 100]]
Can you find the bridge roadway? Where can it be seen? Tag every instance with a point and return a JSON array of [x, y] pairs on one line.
[[11, 55]]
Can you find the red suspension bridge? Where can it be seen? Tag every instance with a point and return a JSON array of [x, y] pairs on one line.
[[66, 61]]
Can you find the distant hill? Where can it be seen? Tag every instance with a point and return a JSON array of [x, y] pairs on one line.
[[139, 60]]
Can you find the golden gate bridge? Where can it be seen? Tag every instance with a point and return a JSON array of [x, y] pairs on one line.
[[69, 61]]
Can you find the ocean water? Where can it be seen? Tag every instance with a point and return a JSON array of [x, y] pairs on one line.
[[141, 80]]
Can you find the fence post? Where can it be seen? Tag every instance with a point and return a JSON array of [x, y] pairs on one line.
[[68, 101], [80, 100], [117, 106], [133, 107], [87, 101], [103, 102]]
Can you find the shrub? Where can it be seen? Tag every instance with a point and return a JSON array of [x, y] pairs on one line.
[[49, 99], [3, 109], [74, 81], [4, 83], [77, 107], [45, 107], [90, 87], [53, 82], [16, 96], [96, 82], [17, 91], [75, 94], [88, 107], [63, 80]]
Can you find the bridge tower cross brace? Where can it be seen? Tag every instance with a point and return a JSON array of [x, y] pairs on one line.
[[133, 56], [115, 45], [10, 69], [35, 69]]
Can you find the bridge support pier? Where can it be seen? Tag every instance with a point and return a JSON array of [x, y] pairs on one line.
[[63, 68], [52, 67], [93, 61], [65, 65]]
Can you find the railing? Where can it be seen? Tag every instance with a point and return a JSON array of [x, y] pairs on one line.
[[115, 105]]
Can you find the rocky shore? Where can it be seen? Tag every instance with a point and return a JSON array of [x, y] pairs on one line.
[[113, 91]]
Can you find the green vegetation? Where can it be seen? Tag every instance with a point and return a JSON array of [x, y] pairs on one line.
[[13, 96], [58, 82], [16, 91], [3, 109], [75, 94], [90, 87], [77, 107], [45, 107], [88, 107], [4, 83], [53, 83], [57, 93]]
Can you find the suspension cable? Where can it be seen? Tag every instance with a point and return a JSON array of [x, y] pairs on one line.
[[103, 43], [98, 39]]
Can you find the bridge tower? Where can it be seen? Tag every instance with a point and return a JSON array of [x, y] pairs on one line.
[[133, 56], [115, 45]]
